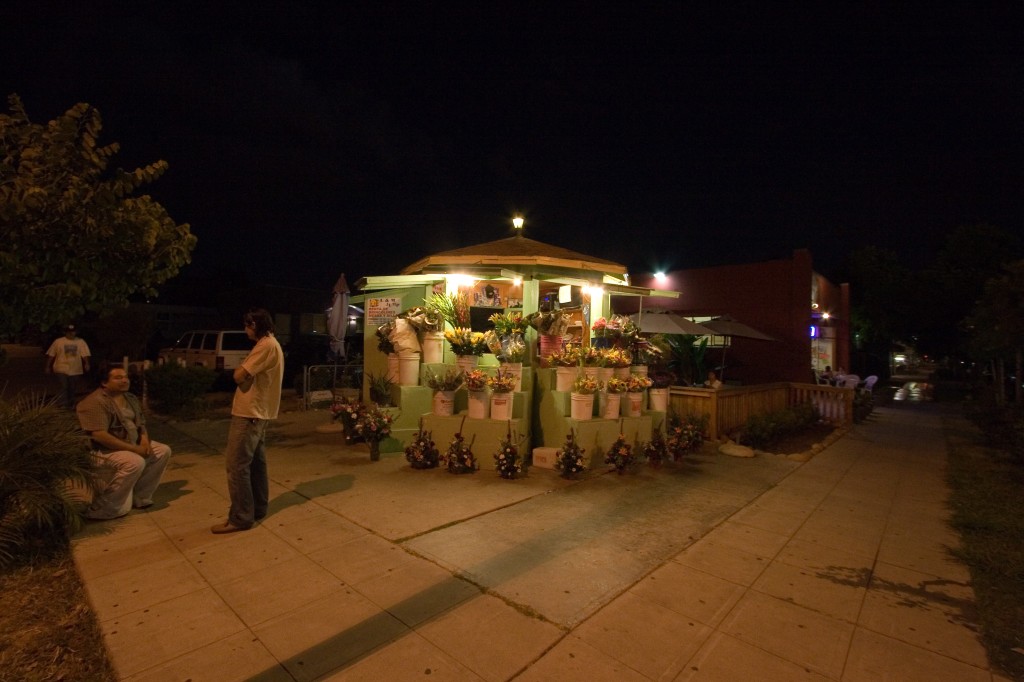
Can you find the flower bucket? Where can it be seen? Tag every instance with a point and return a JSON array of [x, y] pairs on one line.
[[548, 344], [610, 409], [466, 363], [590, 372], [501, 406], [564, 377], [605, 373], [581, 406], [433, 348], [393, 367], [621, 372], [516, 370], [479, 405], [444, 403], [633, 405], [639, 369], [409, 369], [658, 399]]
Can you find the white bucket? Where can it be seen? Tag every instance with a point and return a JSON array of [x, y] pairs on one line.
[[633, 405], [409, 369], [467, 363], [564, 377], [581, 406], [479, 405], [444, 403], [516, 370], [501, 406], [621, 372], [611, 405], [639, 369], [433, 348], [604, 374], [658, 399], [393, 368]]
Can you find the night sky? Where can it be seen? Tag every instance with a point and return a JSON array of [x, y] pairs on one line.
[[305, 141]]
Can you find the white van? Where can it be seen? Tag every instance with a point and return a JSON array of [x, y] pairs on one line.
[[216, 349]]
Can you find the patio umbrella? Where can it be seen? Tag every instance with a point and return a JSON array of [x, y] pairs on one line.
[[667, 323], [337, 321], [729, 326]]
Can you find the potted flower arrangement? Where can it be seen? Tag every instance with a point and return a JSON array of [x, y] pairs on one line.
[[501, 384], [582, 398], [422, 453], [551, 326], [476, 385], [429, 325], [685, 434], [444, 389], [613, 390], [467, 344], [565, 362], [506, 459], [374, 425], [619, 359], [509, 324], [452, 308], [347, 412], [620, 455], [386, 346], [569, 460], [459, 457], [656, 450], [636, 384], [658, 393]]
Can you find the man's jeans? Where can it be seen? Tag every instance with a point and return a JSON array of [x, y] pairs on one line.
[[246, 461], [68, 389]]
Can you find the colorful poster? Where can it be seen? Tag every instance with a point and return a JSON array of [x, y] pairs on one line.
[[381, 310]]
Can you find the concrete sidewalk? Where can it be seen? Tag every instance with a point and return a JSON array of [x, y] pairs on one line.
[[716, 569]]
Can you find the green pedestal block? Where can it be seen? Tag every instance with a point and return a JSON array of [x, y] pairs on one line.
[[597, 435], [485, 435], [411, 402]]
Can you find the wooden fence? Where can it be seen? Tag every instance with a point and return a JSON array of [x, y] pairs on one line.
[[730, 407]]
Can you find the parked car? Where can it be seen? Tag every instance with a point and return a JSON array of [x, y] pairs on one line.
[[219, 350]]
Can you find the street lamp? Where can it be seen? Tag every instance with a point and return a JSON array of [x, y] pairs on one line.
[[517, 222]]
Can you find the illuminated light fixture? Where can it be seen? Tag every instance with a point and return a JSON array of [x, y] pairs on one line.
[[825, 316], [517, 281], [660, 276], [460, 280], [595, 291], [517, 222]]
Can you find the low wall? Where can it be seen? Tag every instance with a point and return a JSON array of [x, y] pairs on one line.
[[730, 407]]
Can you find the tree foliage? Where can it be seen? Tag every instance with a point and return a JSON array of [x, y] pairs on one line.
[[75, 238]]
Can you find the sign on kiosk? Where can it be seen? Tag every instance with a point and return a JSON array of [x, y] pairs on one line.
[[381, 310]]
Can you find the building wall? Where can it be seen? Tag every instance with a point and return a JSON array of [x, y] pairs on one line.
[[773, 297]]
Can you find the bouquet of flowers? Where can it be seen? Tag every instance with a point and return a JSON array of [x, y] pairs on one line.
[[507, 324], [645, 353], [615, 385], [656, 450], [421, 453], [465, 341], [506, 459], [513, 349], [662, 379], [347, 412], [569, 460], [452, 379], [549, 323], [568, 357], [637, 383], [423, 319], [502, 382], [374, 424], [593, 357], [685, 434], [585, 385], [384, 344], [453, 308], [617, 357], [476, 380], [599, 328], [620, 454], [459, 458]]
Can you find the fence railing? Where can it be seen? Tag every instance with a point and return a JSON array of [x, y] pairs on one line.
[[729, 408], [322, 383]]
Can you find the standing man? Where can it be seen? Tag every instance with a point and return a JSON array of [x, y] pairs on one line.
[[257, 400], [130, 463], [68, 358]]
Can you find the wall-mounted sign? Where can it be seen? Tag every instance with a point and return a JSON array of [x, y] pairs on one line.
[[381, 310]]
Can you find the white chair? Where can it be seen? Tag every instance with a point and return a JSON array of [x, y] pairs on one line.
[[849, 381], [869, 384]]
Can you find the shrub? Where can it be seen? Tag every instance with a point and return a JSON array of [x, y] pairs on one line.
[[44, 456], [178, 388], [763, 430]]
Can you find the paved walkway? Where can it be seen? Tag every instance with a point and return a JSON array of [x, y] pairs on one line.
[[716, 569]]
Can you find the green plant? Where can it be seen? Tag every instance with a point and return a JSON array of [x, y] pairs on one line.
[[451, 380], [380, 388], [763, 430], [452, 308], [685, 433], [44, 456], [656, 450], [178, 389]]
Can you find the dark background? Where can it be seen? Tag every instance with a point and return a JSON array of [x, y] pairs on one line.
[[306, 140]]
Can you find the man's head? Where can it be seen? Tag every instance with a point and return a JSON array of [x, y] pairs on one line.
[[114, 379], [70, 331], [712, 375], [258, 323]]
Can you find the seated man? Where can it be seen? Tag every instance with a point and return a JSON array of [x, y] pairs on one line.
[[712, 381], [131, 464]]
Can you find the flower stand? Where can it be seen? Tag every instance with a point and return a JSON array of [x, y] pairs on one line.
[[479, 405]]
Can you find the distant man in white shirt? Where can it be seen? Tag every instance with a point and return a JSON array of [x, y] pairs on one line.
[[68, 359], [257, 401]]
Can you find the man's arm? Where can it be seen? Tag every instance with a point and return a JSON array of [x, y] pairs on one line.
[[242, 378]]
